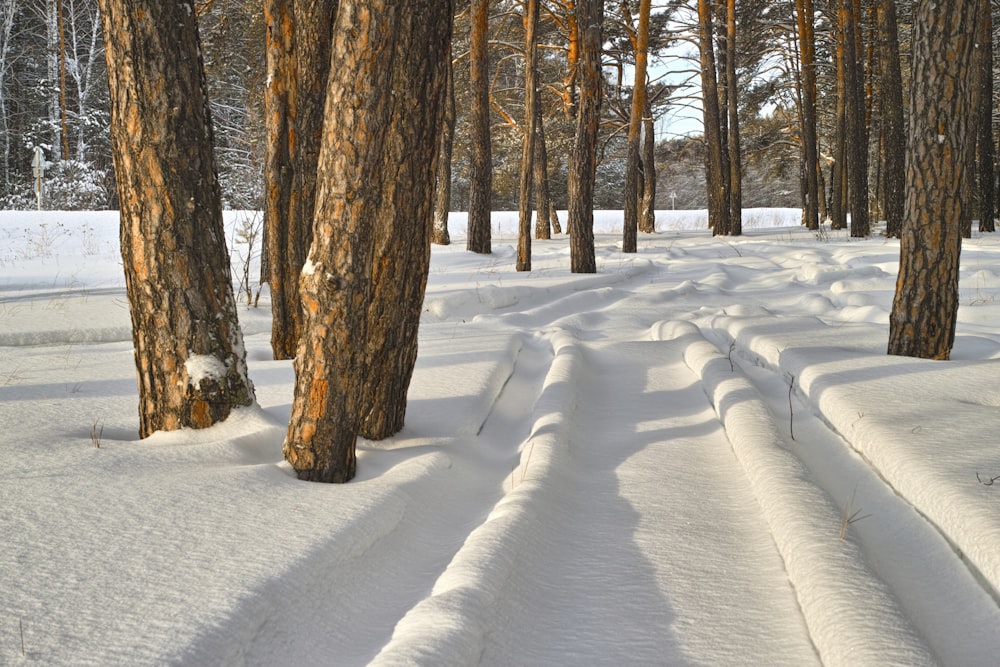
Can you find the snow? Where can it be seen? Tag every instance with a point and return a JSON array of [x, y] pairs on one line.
[[699, 455]]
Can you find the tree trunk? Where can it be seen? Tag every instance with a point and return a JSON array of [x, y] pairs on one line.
[[718, 196], [838, 177], [647, 212], [856, 132], [942, 125], [986, 153], [374, 210], [583, 161], [442, 204], [298, 62], [893, 132], [528, 147], [188, 346], [478, 237], [633, 186], [735, 150], [403, 223], [543, 200], [805, 16]]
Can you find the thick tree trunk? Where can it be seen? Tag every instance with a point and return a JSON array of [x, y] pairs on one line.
[[925, 308], [374, 210], [805, 16], [403, 223], [583, 162], [718, 196], [528, 146], [633, 185], [986, 152], [188, 345], [442, 202], [298, 63], [893, 132], [478, 238]]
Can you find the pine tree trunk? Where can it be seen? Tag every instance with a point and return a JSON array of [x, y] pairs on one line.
[[986, 153], [478, 238], [298, 62], [857, 134], [543, 200], [374, 210], [188, 345], [893, 132], [805, 15], [942, 125], [633, 186], [583, 161], [718, 196], [734, 143], [838, 178], [404, 220], [528, 146], [442, 204], [647, 212]]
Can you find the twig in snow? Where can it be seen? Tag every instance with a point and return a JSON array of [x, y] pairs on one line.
[[791, 412], [989, 481]]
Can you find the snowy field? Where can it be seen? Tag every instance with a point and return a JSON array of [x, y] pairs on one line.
[[700, 455]]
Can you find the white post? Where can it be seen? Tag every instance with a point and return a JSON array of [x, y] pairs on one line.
[[38, 169]]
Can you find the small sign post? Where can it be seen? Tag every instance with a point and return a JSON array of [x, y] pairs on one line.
[[38, 170]]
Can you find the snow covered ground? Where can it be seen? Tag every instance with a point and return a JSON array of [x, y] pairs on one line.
[[700, 455]]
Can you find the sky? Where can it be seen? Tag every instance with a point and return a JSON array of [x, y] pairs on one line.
[[699, 455]]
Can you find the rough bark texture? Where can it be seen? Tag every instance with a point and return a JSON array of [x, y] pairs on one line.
[[856, 130], [838, 177], [647, 205], [298, 64], [925, 308], [543, 200], [529, 136], [188, 346], [373, 216], [733, 143], [479, 236], [805, 12], [442, 202], [718, 196], [984, 106], [583, 160], [404, 220], [893, 132], [633, 186]]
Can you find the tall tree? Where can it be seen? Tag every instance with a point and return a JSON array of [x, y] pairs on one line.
[[478, 238], [374, 210], [856, 131], [188, 345], [716, 171], [891, 105], [298, 62], [530, 20], [733, 141], [805, 16], [583, 161], [633, 190], [442, 202], [984, 120], [941, 128], [647, 204]]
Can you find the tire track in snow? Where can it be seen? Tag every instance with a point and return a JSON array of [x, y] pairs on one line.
[[545, 580]]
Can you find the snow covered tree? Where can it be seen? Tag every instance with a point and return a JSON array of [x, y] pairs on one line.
[[363, 282], [188, 346], [938, 160]]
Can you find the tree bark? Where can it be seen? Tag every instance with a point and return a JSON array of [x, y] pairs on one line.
[[633, 187], [583, 161], [442, 204], [804, 18], [893, 132], [647, 212], [528, 146], [734, 144], [986, 152], [188, 345], [925, 307], [298, 63], [478, 238], [856, 130], [374, 209], [543, 199], [718, 196]]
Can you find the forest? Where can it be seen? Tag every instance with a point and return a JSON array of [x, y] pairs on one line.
[[356, 127]]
